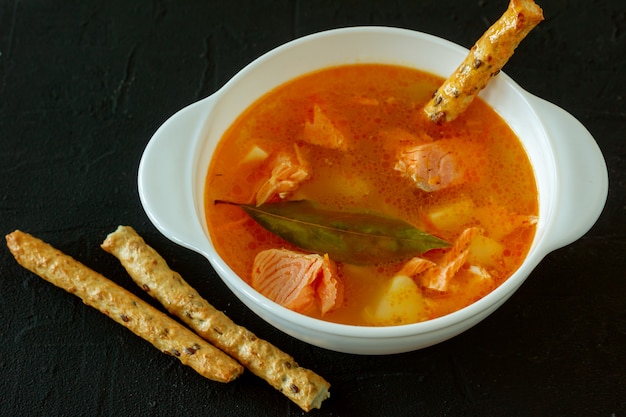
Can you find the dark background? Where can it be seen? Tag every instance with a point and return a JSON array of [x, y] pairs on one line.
[[85, 84]]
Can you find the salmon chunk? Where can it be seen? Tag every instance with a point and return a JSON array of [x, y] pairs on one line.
[[431, 166], [298, 281], [438, 278], [416, 266], [288, 171], [322, 131], [329, 289]]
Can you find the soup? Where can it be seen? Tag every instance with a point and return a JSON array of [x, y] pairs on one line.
[[354, 139]]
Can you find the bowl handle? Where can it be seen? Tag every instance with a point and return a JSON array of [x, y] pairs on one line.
[[581, 174], [165, 176]]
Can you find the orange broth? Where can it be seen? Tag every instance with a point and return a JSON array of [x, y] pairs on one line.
[[378, 108]]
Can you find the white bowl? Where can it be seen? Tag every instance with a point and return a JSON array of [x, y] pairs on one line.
[[570, 171]]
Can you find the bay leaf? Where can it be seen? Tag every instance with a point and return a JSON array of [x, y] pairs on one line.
[[352, 236]]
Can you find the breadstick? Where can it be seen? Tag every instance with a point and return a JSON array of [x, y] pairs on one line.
[[145, 321], [150, 271], [484, 61]]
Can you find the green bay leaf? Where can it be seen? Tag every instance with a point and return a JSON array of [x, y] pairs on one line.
[[352, 236]]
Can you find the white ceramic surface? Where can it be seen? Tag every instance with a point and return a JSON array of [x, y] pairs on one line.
[[569, 167]]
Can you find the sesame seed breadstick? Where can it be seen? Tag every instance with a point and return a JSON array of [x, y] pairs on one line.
[[150, 271], [122, 306], [485, 60]]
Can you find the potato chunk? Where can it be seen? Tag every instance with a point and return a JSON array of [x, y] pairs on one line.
[[401, 303]]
